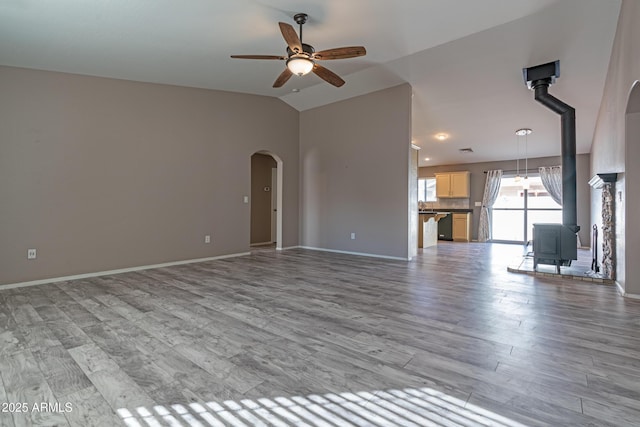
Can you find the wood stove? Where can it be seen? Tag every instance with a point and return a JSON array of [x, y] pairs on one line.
[[554, 244], [557, 244]]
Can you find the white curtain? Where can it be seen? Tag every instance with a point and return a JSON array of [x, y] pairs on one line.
[[551, 177], [491, 190]]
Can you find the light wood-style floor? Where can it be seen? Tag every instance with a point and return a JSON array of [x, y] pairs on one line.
[[311, 338]]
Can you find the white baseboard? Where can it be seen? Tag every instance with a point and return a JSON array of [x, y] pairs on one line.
[[355, 253], [118, 271], [626, 295], [288, 247]]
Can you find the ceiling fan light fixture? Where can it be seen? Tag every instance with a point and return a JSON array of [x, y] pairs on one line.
[[300, 65]]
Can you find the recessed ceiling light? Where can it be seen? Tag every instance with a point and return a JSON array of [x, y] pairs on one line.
[[427, 159], [466, 150], [296, 90], [442, 136]]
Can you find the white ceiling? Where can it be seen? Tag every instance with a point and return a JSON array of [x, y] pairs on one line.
[[463, 58]]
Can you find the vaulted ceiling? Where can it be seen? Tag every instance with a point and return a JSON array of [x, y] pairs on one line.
[[463, 58]]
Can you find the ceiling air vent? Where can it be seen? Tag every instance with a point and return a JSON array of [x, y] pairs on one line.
[[466, 150]]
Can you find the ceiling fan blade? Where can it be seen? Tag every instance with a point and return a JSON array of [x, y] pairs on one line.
[[258, 57], [291, 37], [340, 53], [283, 78], [327, 75]]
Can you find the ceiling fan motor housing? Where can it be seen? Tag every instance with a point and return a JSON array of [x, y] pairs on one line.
[[306, 48]]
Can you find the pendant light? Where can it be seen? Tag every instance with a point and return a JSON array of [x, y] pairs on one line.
[[517, 178], [525, 132]]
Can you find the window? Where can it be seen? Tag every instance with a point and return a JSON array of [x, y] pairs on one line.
[[516, 210], [427, 190]]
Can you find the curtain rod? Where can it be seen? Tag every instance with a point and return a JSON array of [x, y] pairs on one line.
[[521, 170]]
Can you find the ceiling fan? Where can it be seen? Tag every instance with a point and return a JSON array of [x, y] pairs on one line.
[[302, 58]]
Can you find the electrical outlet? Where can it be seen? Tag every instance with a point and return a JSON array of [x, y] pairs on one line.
[[478, 204], [31, 254], [353, 236], [207, 239], [245, 199]]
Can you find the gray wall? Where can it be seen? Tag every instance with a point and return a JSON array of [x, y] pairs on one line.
[[261, 166], [613, 152], [478, 180], [100, 174], [354, 158]]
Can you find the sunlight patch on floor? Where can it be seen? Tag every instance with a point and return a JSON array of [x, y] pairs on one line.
[[393, 408]]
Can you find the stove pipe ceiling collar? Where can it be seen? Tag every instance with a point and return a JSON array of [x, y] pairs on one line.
[[538, 79]]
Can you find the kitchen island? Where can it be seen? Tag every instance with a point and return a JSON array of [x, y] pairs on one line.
[[455, 226], [428, 227]]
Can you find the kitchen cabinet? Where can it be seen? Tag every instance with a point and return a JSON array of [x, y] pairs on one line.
[[462, 227], [453, 184]]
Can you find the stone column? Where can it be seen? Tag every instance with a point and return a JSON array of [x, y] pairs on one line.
[[608, 231]]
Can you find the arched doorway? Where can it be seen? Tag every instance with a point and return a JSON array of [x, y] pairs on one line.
[[266, 200], [628, 202]]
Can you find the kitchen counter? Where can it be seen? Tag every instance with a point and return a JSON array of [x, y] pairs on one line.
[[445, 219], [446, 211], [436, 214]]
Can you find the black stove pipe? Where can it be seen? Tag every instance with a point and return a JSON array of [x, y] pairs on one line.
[[568, 149]]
